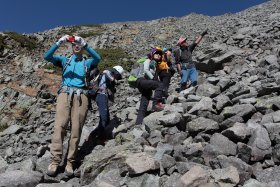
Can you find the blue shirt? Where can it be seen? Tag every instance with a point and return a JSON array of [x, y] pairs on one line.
[[74, 73]]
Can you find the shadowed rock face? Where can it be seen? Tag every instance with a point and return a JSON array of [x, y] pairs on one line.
[[225, 132]]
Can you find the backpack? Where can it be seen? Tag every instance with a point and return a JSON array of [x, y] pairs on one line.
[[136, 72], [162, 66], [141, 60]]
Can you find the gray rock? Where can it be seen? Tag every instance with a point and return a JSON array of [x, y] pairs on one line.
[[188, 91], [213, 80], [107, 178], [154, 138], [20, 178], [167, 161], [242, 110], [41, 150], [202, 124], [248, 101], [269, 174], [193, 150], [273, 183], [175, 107], [229, 122], [222, 101], [26, 165], [244, 152], [264, 103], [205, 104], [260, 143], [193, 98], [239, 37], [163, 149], [171, 119], [140, 163], [273, 131], [13, 129], [194, 178], [3, 165], [272, 60], [227, 175], [215, 63], [172, 180], [175, 139], [93, 163], [254, 183], [146, 180], [208, 90], [223, 144], [236, 133], [225, 83], [245, 170], [9, 152], [267, 88], [276, 153], [153, 120], [56, 185]]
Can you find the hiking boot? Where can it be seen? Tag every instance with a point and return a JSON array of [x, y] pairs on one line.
[[69, 172], [52, 169], [158, 107]]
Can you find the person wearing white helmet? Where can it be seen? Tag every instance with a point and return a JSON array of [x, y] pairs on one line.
[[106, 90]]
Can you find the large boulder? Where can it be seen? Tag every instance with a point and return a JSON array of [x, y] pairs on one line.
[[202, 124], [106, 158], [195, 177], [243, 110], [20, 178], [214, 64], [260, 143]]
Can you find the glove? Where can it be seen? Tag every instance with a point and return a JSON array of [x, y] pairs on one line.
[[204, 32], [62, 40], [80, 41]]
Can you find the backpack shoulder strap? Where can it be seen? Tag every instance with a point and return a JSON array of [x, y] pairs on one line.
[[180, 51], [64, 68], [67, 64]]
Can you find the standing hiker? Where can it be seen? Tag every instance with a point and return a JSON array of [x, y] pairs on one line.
[[183, 59], [72, 100]]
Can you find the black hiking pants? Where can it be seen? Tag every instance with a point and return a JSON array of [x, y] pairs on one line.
[[165, 77], [146, 87]]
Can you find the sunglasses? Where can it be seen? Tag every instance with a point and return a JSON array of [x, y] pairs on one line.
[[74, 45]]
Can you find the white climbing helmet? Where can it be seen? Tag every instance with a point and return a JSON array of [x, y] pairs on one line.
[[119, 69]]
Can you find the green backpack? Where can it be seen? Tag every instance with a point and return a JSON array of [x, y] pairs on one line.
[[141, 60], [136, 72]]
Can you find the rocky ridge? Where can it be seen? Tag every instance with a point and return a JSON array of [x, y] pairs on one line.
[[223, 133]]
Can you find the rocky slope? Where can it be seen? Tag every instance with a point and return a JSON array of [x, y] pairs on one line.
[[225, 133]]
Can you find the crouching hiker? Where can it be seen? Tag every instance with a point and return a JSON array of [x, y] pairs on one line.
[[72, 100], [141, 77], [105, 92]]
